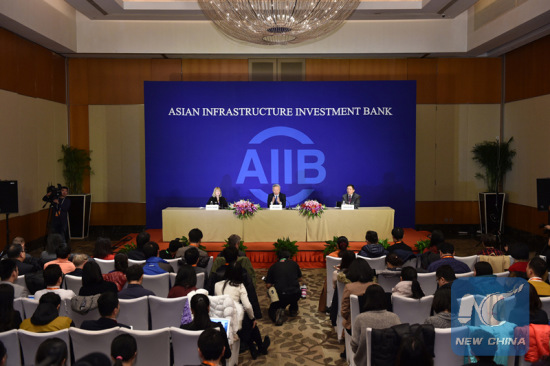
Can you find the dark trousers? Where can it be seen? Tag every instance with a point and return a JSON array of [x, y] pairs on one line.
[[249, 335], [284, 301]]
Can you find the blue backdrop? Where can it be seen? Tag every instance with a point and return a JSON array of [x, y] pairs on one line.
[[313, 138]]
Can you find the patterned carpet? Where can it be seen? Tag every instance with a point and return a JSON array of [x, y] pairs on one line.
[[308, 339]]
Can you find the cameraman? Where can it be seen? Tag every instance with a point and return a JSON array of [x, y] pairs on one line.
[[60, 209]]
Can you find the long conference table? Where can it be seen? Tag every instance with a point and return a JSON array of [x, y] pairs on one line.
[[269, 225]]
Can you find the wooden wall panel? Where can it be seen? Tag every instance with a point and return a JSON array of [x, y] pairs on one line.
[[524, 218], [166, 70], [26, 70], [115, 213], [59, 85], [214, 70], [30, 227], [528, 70], [378, 69], [327, 70], [424, 71], [469, 80], [78, 81], [79, 135], [447, 213], [8, 61]]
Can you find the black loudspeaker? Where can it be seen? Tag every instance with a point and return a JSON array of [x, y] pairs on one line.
[[543, 194], [9, 202]]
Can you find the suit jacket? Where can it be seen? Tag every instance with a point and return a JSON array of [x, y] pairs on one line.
[[213, 201], [282, 198], [355, 200], [101, 324]]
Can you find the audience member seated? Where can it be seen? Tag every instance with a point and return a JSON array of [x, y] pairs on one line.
[[343, 245], [200, 307], [79, 260], [124, 350], [153, 264], [483, 269], [394, 265], [134, 276], [21, 241], [441, 307], [483, 348], [397, 235], [285, 276], [489, 241], [520, 253], [436, 238], [445, 275], [46, 316], [536, 314], [232, 285], [52, 352], [373, 315], [192, 257], [24, 265], [408, 286], [170, 252], [93, 359], [339, 275], [361, 276], [9, 318], [3, 354], [413, 351], [220, 261], [447, 252], [235, 241], [53, 277], [211, 347], [93, 282], [103, 250], [195, 237], [8, 276], [137, 254], [372, 249], [536, 271], [118, 276], [53, 242], [62, 259], [186, 281], [109, 308]]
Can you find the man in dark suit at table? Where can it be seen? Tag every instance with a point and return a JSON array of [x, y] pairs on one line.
[[351, 198], [276, 198]]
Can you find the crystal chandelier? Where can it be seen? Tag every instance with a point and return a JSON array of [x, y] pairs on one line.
[[277, 21]]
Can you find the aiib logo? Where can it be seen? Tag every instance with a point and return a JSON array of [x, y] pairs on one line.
[[307, 161]]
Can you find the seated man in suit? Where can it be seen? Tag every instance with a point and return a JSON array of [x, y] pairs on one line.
[[351, 198], [195, 237], [397, 234], [134, 276], [192, 257], [276, 198], [447, 252], [24, 265], [9, 274], [109, 308]]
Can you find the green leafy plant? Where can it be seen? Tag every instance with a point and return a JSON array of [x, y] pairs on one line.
[[330, 246], [422, 244], [241, 245], [384, 243], [76, 164], [496, 159], [185, 242], [286, 244], [127, 248]]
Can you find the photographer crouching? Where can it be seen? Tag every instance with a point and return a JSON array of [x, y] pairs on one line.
[[59, 209]]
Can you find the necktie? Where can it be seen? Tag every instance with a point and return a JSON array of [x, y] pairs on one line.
[[349, 198]]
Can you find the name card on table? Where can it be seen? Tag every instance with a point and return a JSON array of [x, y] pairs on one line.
[[212, 207], [345, 206], [276, 207]]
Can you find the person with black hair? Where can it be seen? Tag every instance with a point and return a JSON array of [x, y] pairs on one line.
[[520, 254], [137, 254], [134, 275], [16, 252], [186, 281], [108, 307], [447, 252], [351, 198], [60, 213], [361, 276], [3, 354], [408, 286], [537, 315], [445, 275], [118, 276], [397, 234], [170, 252], [192, 258], [372, 249], [46, 316], [373, 315], [536, 271], [286, 276], [436, 238], [93, 282], [211, 347], [53, 277], [341, 270], [483, 269], [124, 350], [200, 307], [234, 240], [441, 307], [8, 276], [153, 264], [413, 351], [62, 259], [393, 263], [93, 359], [233, 254], [343, 243], [103, 249], [53, 242], [9, 318], [489, 241], [51, 352], [195, 237]]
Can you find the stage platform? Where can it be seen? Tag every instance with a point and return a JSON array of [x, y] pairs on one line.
[[262, 254]]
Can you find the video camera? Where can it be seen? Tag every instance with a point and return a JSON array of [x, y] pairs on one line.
[[55, 193]]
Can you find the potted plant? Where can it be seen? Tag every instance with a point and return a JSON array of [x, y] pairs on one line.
[[495, 159], [76, 165], [286, 244]]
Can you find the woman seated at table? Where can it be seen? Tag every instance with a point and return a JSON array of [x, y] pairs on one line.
[[217, 198]]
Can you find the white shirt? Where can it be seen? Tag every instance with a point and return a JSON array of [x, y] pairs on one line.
[[63, 294]]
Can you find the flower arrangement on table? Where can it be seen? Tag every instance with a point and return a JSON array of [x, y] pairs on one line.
[[244, 209], [311, 209]]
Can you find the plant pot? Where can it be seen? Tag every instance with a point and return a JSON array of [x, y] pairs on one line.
[[491, 212], [79, 215]]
